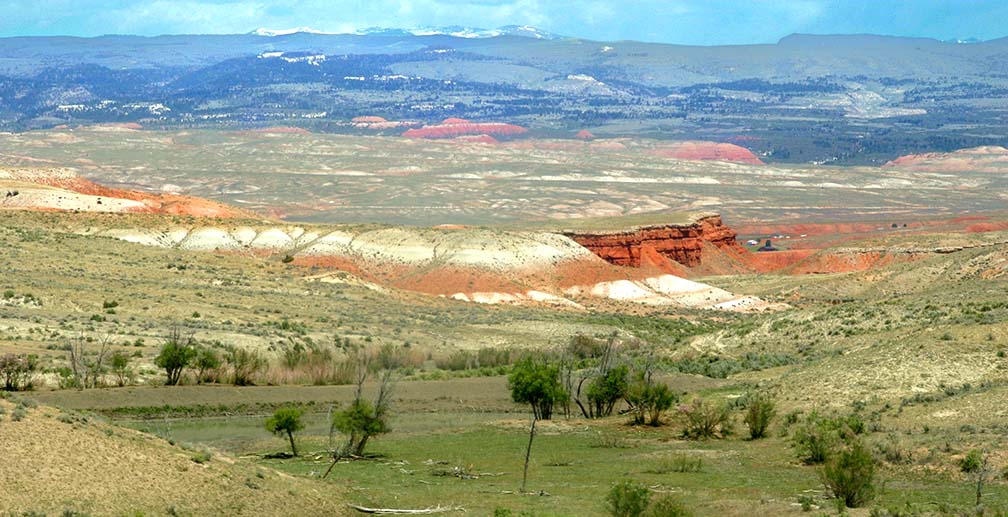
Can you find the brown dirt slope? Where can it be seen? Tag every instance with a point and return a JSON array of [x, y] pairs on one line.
[[52, 462]]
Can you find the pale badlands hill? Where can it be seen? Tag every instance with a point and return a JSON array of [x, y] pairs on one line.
[[53, 462], [478, 265]]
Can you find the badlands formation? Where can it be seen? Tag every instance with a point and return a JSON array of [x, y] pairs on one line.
[[643, 265], [575, 263], [477, 265]]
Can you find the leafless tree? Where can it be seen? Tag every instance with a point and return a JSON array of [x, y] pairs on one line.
[[607, 360], [87, 367]]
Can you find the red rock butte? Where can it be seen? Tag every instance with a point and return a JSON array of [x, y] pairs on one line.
[[991, 159], [476, 139], [584, 134], [453, 130], [713, 151], [281, 130]]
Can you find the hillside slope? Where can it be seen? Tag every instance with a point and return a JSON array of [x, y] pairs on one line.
[[62, 189], [55, 461]]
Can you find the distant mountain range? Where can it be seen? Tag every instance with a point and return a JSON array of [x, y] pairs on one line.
[[808, 98], [454, 31]]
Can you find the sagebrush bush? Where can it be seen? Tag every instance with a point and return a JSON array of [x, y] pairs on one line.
[[17, 372], [245, 364], [667, 506], [627, 499], [893, 450], [818, 436], [706, 420], [849, 474], [760, 410], [648, 401], [456, 361], [681, 463]]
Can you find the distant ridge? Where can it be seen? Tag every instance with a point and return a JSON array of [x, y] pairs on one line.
[[286, 32], [456, 31]]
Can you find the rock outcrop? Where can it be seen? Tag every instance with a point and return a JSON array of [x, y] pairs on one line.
[[656, 245]]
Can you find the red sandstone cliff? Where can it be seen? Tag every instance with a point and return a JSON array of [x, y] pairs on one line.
[[655, 245]]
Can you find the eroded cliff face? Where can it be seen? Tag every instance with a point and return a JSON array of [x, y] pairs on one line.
[[648, 246]]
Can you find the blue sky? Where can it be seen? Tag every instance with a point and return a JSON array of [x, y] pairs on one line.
[[699, 22]]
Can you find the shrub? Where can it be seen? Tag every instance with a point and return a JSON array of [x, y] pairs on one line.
[[849, 474], [976, 464], [893, 451], [493, 357], [245, 364], [537, 383], [176, 354], [286, 420], [583, 346], [759, 412], [681, 462], [648, 401], [18, 371], [627, 499], [456, 361], [201, 457], [359, 422], [605, 390], [120, 367], [667, 506], [818, 436], [206, 362], [706, 420], [971, 462]]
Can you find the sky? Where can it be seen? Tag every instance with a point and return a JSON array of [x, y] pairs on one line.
[[693, 22]]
